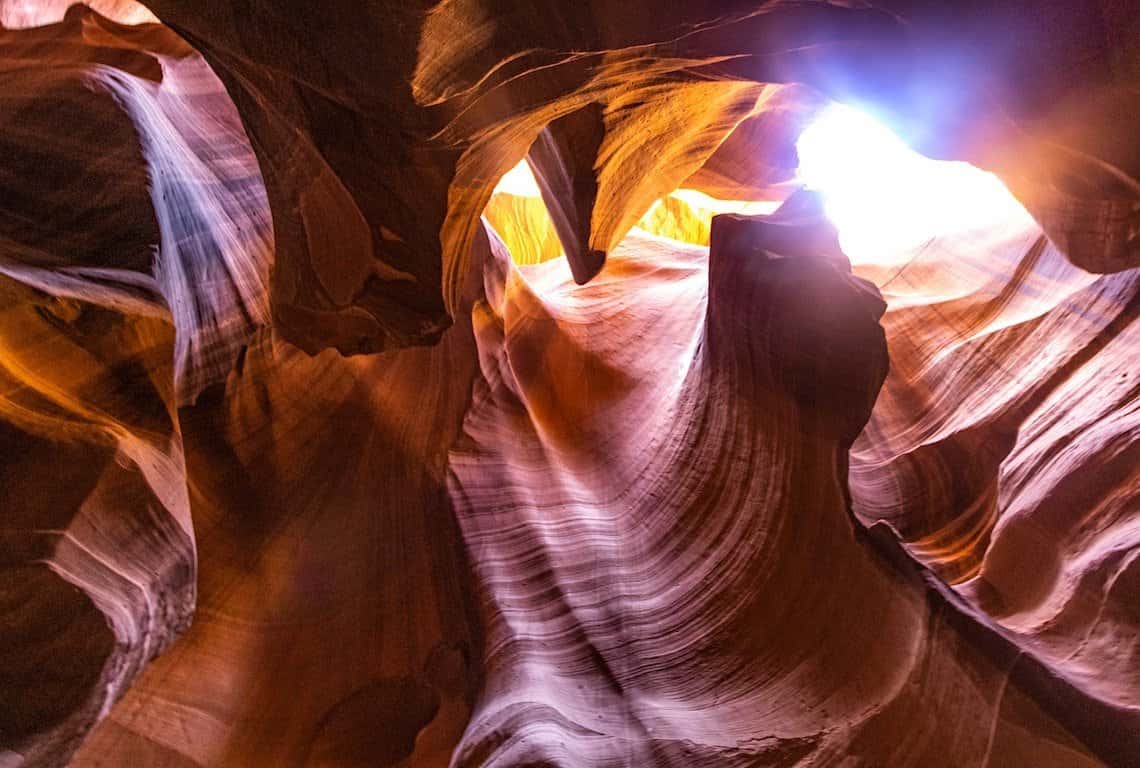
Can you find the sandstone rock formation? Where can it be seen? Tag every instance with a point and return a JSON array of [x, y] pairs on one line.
[[319, 448]]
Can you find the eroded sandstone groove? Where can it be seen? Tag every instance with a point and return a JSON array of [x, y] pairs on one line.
[[317, 448]]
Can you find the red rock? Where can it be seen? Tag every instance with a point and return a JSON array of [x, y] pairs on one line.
[[307, 464]]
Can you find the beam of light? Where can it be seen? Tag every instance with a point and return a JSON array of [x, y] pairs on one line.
[[886, 199]]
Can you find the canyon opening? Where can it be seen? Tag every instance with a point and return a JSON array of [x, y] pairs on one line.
[[466, 383]]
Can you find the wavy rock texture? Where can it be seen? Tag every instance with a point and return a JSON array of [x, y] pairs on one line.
[[128, 282], [175, 214], [331, 574], [692, 634], [22, 14], [465, 87], [307, 463], [1003, 445]]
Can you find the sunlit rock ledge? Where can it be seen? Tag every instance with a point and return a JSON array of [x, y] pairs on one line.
[[485, 383]]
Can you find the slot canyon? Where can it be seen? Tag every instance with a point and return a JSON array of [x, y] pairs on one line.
[[570, 383]]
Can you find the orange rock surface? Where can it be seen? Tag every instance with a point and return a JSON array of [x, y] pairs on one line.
[[472, 383]]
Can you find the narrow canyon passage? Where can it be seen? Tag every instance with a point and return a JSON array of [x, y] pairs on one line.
[[494, 383]]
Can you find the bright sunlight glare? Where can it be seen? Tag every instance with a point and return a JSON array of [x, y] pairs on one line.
[[886, 199], [519, 181]]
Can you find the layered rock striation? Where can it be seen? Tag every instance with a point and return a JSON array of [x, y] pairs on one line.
[[306, 461]]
